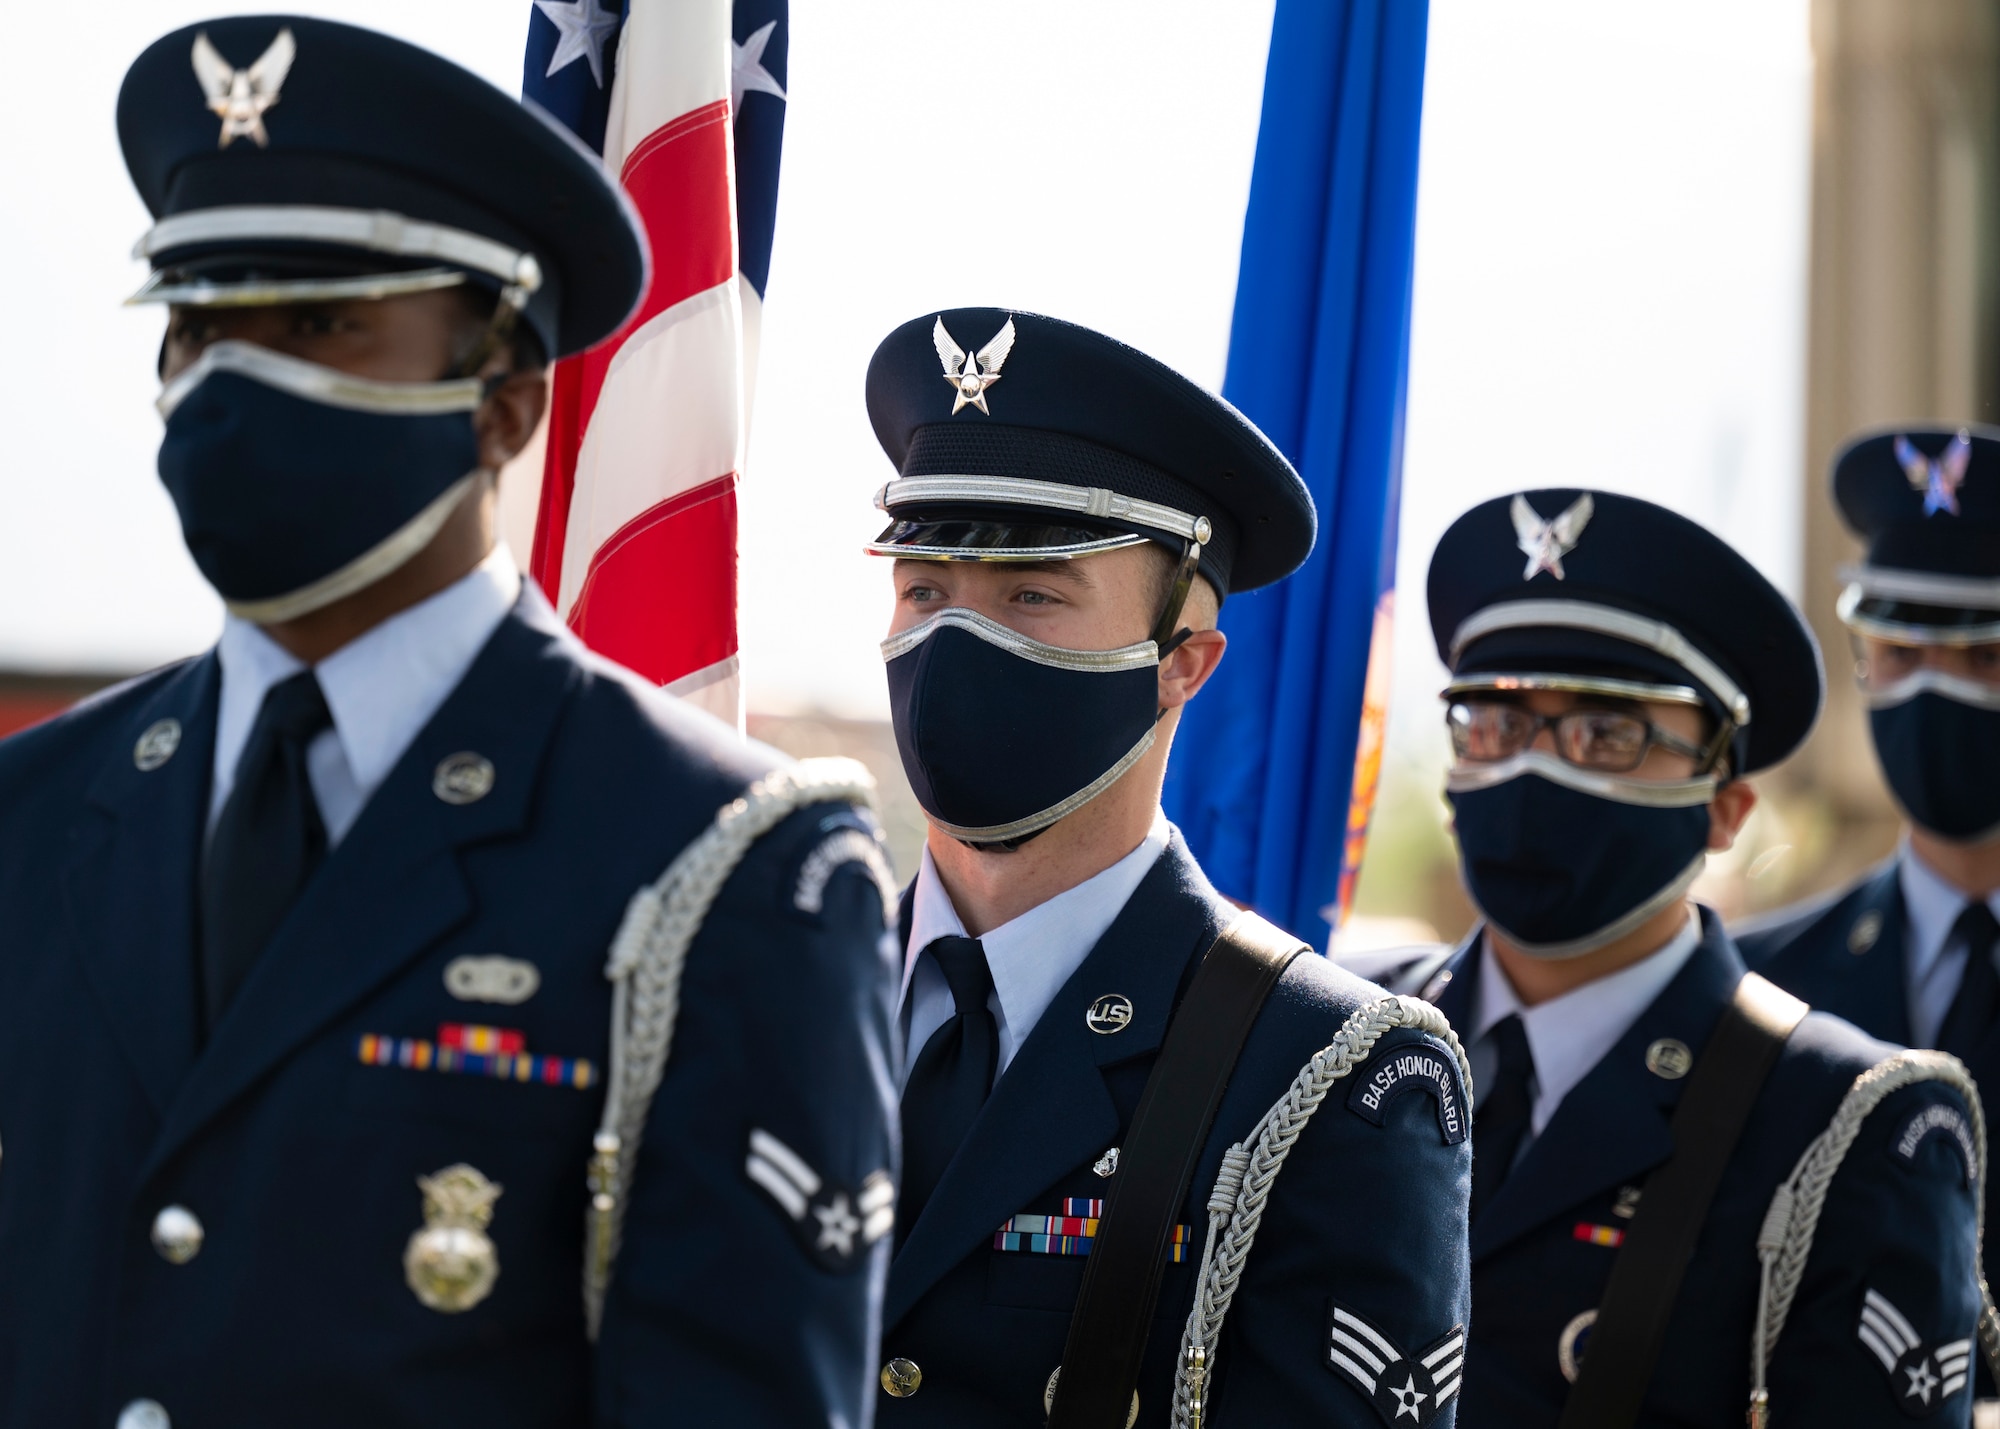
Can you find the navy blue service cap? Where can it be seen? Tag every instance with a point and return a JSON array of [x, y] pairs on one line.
[[1018, 438], [1608, 594], [286, 159], [1926, 500]]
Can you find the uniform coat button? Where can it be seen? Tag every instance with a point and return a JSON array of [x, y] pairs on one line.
[[900, 1377], [177, 1236], [144, 1414]]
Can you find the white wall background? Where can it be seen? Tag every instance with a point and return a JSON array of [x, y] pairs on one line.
[[1610, 277]]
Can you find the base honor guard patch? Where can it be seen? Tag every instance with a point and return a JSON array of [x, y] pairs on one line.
[[475, 1052], [1921, 1377], [1413, 1069], [1412, 1387], [1073, 1232]]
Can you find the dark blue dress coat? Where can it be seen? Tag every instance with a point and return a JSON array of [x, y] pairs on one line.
[[1844, 954], [1901, 1225], [1371, 1216], [301, 1160]]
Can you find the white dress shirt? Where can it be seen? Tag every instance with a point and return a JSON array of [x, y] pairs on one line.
[[1031, 956], [1569, 1035], [1933, 960], [381, 687]]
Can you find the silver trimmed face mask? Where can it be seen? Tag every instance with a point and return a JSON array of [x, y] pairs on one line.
[[1002, 735], [1938, 739], [1563, 861], [298, 484]]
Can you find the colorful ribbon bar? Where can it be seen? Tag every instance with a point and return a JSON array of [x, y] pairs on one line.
[[1071, 1234], [420, 1055], [1598, 1235], [469, 1037]]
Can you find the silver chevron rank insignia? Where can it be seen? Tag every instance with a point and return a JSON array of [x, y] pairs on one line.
[[1545, 543], [1921, 1377], [836, 1225], [1404, 1388]]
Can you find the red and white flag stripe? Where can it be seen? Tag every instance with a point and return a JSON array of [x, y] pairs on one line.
[[635, 539]]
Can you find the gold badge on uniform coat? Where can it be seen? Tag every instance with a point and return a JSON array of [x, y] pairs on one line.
[[451, 1263]]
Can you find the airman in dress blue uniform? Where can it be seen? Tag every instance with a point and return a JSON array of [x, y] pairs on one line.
[[1616, 671], [312, 946], [1065, 517], [1906, 953]]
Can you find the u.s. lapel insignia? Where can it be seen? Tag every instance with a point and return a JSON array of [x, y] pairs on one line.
[[1938, 477], [451, 1263], [239, 97], [1109, 1013], [463, 778], [1921, 1377], [835, 1224], [1865, 933], [1401, 1386], [157, 745], [1545, 543], [970, 377], [1572, 1342]]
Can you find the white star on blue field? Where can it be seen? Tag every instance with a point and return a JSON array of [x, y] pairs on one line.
[[582, 26], [747, 72]]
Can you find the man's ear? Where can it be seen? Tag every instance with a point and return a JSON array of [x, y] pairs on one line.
[[506, 420], [1188, 667], [1728, 813]]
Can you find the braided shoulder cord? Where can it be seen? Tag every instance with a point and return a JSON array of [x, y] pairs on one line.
[[1251, 1166], [647, 959], [1786, 1238]]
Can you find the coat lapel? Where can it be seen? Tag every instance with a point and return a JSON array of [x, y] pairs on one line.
[[1868, 986], [1615, 1124], [1051, 1111], [128, 891], [394, 885]]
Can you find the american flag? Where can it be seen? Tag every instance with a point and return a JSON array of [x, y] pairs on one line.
[[635, 536]]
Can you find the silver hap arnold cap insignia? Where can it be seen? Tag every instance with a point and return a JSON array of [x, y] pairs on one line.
[[239, 97], [1937, 477], [971, 377], [1545, 543]]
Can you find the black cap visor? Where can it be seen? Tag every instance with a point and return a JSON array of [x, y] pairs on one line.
[[1909, 622], [978, 540]]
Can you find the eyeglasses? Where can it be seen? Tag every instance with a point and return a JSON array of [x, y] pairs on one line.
[[1606, 740]]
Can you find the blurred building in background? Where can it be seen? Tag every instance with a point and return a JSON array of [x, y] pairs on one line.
[[1905, 291]]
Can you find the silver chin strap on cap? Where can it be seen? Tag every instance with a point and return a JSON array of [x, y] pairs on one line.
[[1642, 793], [333, 388]]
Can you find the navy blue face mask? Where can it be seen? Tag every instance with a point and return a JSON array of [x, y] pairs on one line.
[[1938, 737], [1002, 735], [1562, 860], [298, 485]]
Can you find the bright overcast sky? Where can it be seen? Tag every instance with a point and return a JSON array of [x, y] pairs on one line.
[[1610, 276]]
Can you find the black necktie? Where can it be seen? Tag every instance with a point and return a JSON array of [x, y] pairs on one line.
[[1978, 998], [1505, 1112], [950, 1078], [266, 844]]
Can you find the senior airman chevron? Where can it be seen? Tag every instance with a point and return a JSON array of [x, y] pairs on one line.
[[1072, 1232], [1400, 1386]]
